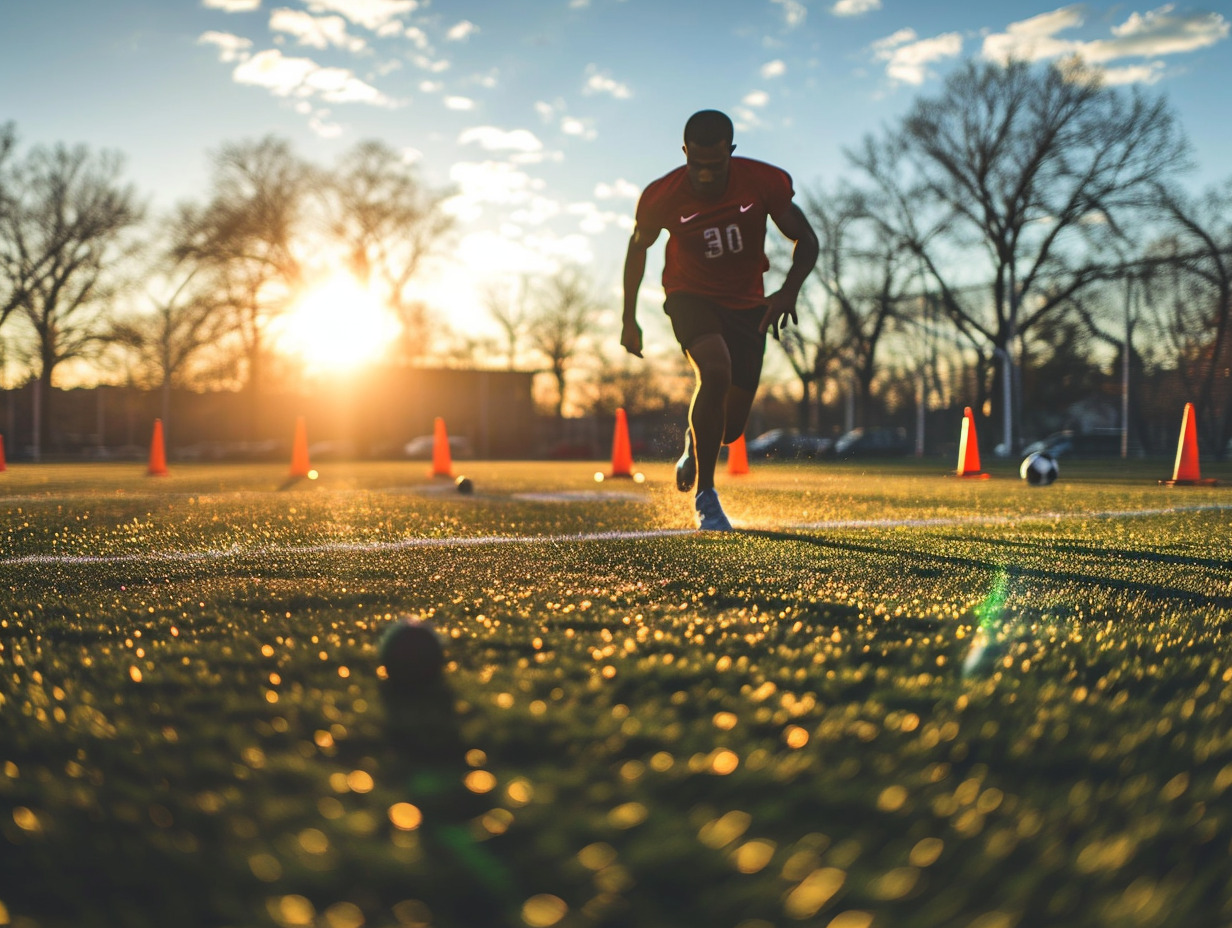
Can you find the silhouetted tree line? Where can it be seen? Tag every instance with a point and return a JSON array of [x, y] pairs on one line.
[[1016, 242]]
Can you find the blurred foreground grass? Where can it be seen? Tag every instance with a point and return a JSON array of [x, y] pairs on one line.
[[894, 699]]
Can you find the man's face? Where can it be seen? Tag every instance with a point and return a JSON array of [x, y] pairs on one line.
[[708, 166]]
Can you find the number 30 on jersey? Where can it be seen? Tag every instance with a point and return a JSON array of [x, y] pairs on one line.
[[723, 241]]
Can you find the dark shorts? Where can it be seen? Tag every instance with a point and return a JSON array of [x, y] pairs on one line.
[[696, 316]]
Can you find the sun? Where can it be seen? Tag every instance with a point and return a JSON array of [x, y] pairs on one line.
[[338, 325]]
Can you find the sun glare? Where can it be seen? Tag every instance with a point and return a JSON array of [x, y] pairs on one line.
[[338, 325]]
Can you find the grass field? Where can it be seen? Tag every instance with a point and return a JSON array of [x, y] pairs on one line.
[[894, 698]]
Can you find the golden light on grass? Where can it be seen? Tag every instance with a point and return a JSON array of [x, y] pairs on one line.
[[480, 781], [725, 829], [291, 911], [544, 910], [926, 852], [597, 856], [753, 856], [724, 762], [627, 815], [405, 816], [814, 891], [337, 325], [360, 781], [892, 798]]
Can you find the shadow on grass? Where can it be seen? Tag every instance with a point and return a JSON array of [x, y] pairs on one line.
[[919, 557], [468, 882]]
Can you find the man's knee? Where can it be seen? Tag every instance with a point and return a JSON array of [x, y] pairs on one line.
[[713, 363]]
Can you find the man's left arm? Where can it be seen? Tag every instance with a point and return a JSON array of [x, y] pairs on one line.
[[781, 305]]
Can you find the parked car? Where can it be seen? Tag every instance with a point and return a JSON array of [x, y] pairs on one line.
[[873, 442], [788, 444], [420, 447], [1093, 443]]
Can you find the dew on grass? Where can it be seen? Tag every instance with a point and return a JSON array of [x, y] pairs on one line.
[[814, 892], [754, 856], [543, 910]]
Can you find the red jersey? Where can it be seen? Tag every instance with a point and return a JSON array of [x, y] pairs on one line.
[[717, 248]]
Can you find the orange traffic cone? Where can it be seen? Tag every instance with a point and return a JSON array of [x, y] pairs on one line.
[[969, 449], [1185, 472], [442, 461], [299, 451], [3, 465], [738, 457], [622, 450], [158, 452]]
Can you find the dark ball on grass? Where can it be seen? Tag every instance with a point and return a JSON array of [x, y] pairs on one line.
[[412, 655], [464, 485]]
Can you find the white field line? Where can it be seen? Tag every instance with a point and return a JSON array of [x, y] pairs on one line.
[[404, 544]]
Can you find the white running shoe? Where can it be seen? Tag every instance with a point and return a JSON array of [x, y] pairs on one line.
[[710, 515]]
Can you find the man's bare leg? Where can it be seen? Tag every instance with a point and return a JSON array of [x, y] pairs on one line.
[[708, 411], [739, 403]]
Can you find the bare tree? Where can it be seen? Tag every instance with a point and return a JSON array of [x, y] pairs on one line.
[[505, 303], [560, 321], [248, 239], [867, 275], [64, 236], [1018, 178], [390, 224], [183, 315]]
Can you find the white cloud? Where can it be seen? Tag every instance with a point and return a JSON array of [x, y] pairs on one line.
[[1148, 73], [371, 14], [1035, 38], [338, 85], [230, 47], [431, 86], [492, 139], [1150, 35], [430, 65], [462, 31], [597, 82], [772, 69], [744, 119], [489, 182], [418, 37], [619, 189], [592, 220], [855, 7], [315, 31], [794, 12], [538, 211], [459, 103], [756, 98], [907, 56], [501, 254], [326, 130], [276, 73], [489, 80], [547, 111], [232, 6], [579, 128], [303, 77]]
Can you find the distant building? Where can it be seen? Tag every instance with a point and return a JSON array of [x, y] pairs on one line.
[[373, 417]]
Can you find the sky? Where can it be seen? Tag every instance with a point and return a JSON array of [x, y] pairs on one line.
[[546, 118]]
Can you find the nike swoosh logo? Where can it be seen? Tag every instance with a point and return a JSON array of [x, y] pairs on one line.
[[745, 209], [690, 216]]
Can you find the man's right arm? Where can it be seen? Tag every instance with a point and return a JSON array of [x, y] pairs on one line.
[[635, 268]]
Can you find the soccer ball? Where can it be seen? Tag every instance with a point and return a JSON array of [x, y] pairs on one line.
[[464, 485], [1039, 469], [412, 656]]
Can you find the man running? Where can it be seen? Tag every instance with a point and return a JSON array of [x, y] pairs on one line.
[[714, 209]]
